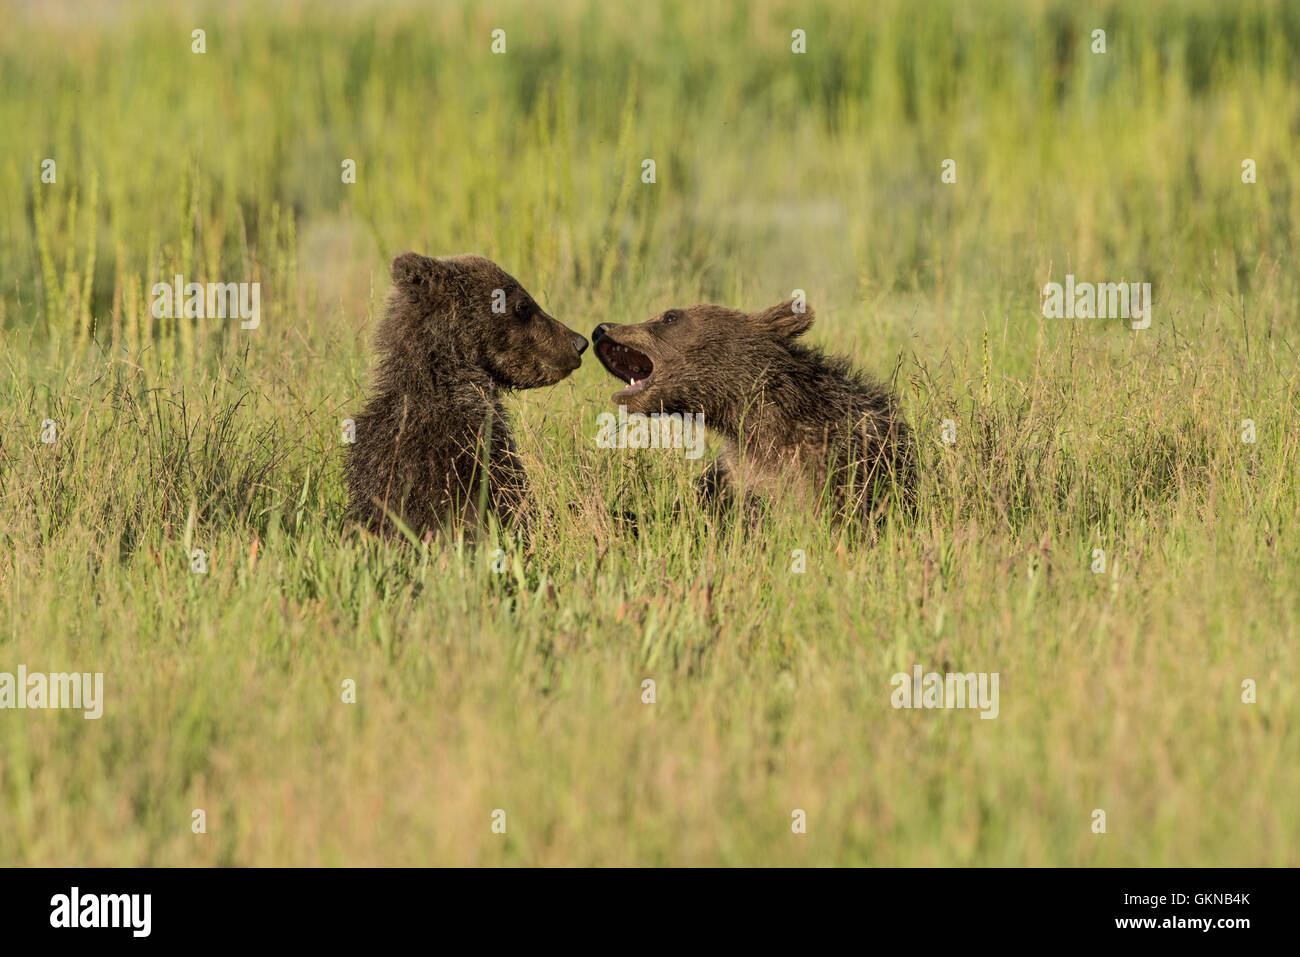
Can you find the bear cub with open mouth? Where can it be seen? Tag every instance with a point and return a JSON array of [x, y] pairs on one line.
[[456, 334], [793, 419]]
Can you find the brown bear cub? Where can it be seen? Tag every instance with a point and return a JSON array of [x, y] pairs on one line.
[[456, 334], [793, 419]]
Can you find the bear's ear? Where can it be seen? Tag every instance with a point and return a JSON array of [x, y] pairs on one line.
[[412, 269], [786, 320]]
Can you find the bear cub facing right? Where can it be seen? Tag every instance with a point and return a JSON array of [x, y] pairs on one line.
[[794, 420], [457, 334]]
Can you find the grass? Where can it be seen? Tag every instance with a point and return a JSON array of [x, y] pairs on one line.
[[521, 690]]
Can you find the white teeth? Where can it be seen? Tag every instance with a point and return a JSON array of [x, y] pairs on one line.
[[633, 382]]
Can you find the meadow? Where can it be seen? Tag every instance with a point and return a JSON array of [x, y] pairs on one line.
[[490, 678]]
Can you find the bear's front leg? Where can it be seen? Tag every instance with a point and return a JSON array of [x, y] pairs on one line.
[[714, 486], [717, 489], [509, 492]]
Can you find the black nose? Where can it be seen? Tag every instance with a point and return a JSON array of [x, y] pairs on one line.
[[579, 343], [599, 331]]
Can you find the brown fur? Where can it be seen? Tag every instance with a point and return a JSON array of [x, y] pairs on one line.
[[434, 416], [793, 419]]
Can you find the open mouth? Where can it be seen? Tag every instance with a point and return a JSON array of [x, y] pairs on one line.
[[634, 368]]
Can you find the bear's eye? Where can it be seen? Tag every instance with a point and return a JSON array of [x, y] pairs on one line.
[[672, 315], [523, 309]]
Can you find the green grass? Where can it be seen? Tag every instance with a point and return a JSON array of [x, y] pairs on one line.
[[521, 690]]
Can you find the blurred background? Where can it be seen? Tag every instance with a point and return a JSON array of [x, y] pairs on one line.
[[775, 170]]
